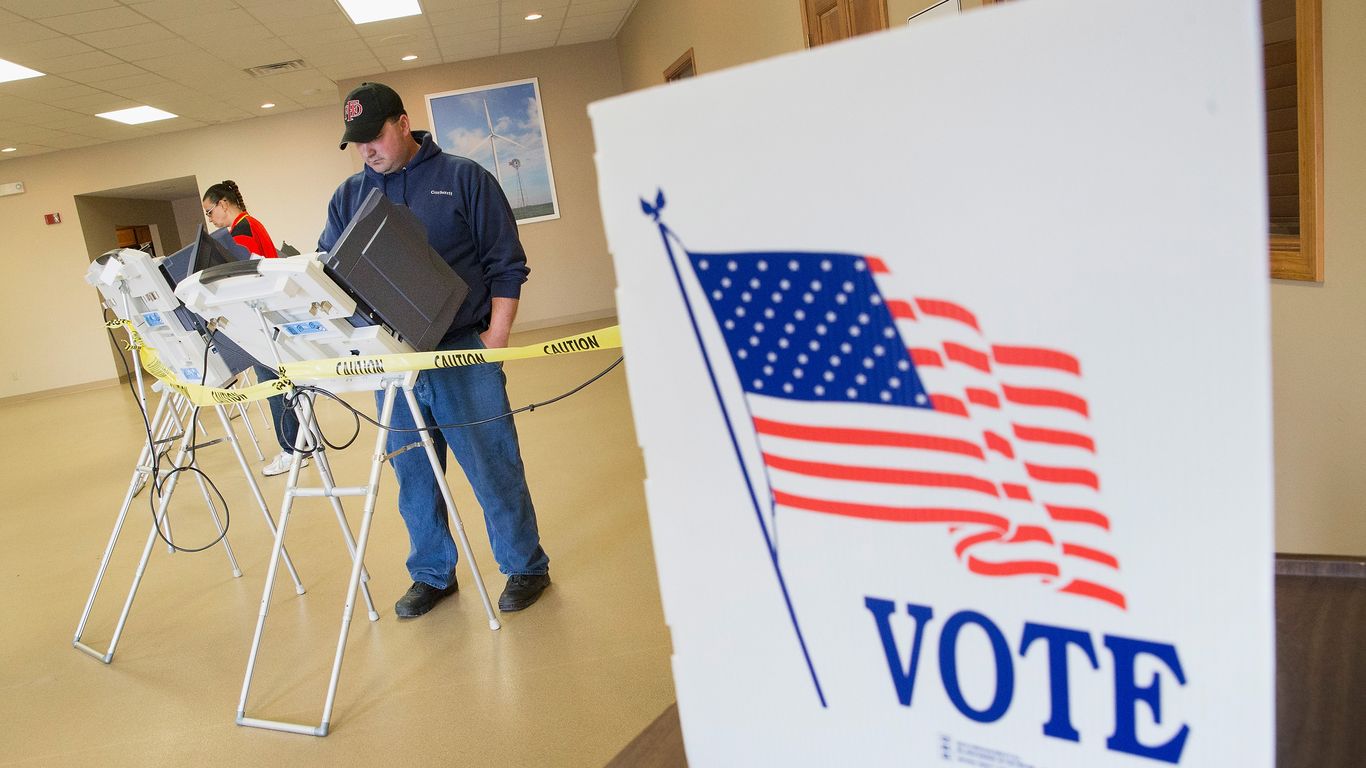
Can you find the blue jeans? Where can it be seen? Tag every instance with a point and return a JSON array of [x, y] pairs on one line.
[[285, 421], [488, 454]]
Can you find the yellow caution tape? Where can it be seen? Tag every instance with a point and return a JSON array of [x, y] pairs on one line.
[[607, 338], [198, 394]]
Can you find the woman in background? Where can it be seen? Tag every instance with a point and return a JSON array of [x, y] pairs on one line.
[[224, 207]]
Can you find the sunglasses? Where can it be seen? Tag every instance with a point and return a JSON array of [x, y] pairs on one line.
[[209, 211]]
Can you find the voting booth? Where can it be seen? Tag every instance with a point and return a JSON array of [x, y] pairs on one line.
[[381, 290], [139, 290]]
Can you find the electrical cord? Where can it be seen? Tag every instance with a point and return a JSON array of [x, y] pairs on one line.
[[526, 408], [190, 467], [156, 480]]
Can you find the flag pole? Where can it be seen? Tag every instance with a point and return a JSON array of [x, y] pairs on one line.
[[665, 234]]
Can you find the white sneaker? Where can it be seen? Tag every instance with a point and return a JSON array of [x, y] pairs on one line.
[[280, 464]]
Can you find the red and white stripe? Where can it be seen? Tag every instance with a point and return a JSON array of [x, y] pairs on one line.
[[1005, 462]]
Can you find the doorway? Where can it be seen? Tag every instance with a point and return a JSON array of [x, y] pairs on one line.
[[157, 217]]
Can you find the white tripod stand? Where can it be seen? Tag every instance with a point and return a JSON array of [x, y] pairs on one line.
[[303, 315], [173, 412]]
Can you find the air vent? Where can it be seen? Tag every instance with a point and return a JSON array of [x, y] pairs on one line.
[[276, 68]]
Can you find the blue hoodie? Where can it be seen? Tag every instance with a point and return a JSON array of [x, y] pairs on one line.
[[468, 219]]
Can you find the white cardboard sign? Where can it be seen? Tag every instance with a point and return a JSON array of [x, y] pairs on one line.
[[948, 351]]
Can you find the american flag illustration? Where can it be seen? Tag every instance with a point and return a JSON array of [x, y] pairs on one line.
[[901, 409]]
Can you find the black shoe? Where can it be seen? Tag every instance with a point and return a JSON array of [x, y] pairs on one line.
[[522, 590], [421, 598]]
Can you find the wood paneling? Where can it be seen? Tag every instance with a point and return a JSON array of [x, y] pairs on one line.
[[1321, 666]]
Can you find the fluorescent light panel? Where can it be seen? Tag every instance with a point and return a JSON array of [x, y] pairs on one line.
[[11, 71], [136, 115], [366, 11]]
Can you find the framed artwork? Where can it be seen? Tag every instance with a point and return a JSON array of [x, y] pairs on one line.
[[501, 127]]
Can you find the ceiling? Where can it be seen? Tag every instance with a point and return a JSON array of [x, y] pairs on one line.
[[190, 57]]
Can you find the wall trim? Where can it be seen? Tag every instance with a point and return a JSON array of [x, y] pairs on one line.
[[551, 322], [44, 394], [1320, 565]]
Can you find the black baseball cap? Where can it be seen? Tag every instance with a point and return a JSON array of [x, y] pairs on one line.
[[366, 108]]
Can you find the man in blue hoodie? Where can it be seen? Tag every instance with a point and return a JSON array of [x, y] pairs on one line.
[[470, 223]]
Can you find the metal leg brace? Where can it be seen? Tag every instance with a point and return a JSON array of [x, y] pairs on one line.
[[356, 548], [164, 426]]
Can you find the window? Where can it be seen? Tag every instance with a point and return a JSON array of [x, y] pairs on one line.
[[1293, 58]]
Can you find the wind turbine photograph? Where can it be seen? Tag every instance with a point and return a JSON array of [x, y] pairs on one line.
[[501, 127]]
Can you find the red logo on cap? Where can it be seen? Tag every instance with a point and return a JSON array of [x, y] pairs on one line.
[[352, 110]]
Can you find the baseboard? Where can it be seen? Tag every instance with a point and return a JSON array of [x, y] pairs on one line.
[[44, 394], [1320, 565], [582, 317]]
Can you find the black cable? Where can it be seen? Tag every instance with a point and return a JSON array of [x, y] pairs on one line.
[[155, 481], [314, 424], [190, 467], [514, 412]]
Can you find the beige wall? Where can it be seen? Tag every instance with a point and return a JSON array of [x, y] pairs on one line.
[[900, 10], [189, 214], [51, 334], [571, 270], [287, 165], [722, 33], [1319, 330]]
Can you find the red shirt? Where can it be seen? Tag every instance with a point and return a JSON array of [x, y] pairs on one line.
[[252, 235]]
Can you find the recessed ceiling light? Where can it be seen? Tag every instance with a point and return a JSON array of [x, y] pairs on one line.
[[136, 115], [410, 57], [268, 105], [10, 149], [366, 11], [533, 16], [11, 71]]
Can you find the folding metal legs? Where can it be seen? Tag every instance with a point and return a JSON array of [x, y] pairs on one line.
[[163, 425], [357, 550], [231, 437]]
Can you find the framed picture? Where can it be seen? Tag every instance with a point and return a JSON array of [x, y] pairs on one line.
[[501, 128]]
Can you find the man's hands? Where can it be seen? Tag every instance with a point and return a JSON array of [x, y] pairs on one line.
[[504, 311]]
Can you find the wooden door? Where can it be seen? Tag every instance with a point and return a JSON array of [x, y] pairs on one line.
[[830, 20]]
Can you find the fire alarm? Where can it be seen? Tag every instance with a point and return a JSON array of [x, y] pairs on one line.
[[52, 218]]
